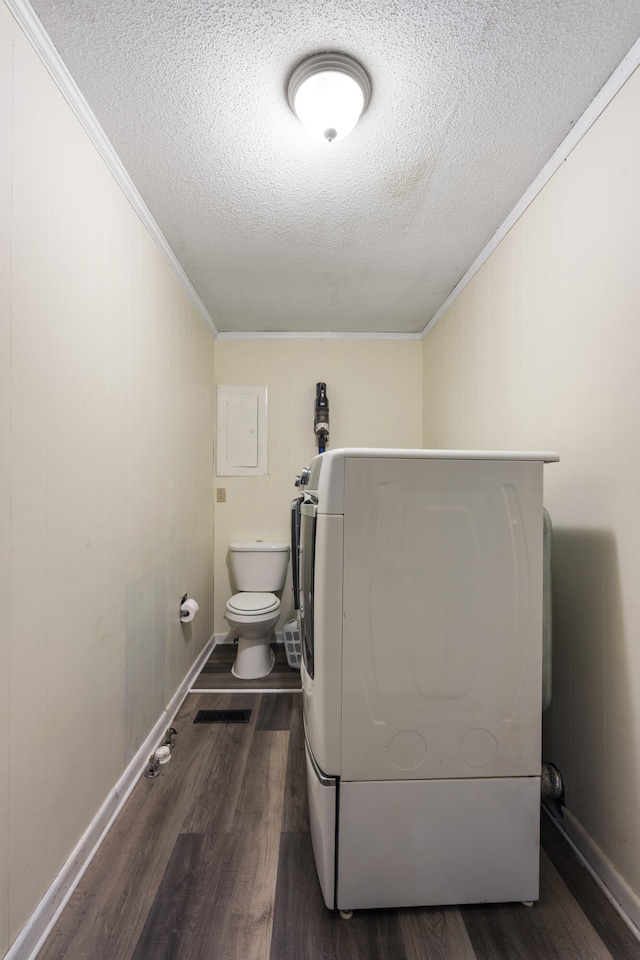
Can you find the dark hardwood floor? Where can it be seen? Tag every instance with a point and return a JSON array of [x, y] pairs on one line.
[[216, 673], [213, 861]]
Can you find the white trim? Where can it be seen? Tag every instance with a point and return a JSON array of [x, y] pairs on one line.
[[314, 335], [612, 884], [597, 106], [42, 44], [37, 929]]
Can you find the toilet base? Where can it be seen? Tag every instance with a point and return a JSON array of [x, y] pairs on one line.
[[254, 659]]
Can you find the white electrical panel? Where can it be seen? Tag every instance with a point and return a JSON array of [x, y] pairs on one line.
[[241, 448]]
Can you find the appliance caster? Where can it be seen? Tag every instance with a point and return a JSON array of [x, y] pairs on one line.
[[527, 903], [346, 914]]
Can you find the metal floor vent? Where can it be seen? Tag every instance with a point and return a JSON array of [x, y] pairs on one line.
[[222, 716]]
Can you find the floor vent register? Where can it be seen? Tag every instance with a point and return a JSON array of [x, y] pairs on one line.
[[222, 716]]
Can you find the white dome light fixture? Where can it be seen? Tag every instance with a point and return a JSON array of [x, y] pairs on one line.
[[328, 92]]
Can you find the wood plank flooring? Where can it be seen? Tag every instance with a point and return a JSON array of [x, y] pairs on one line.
[[216, 673], [213, 861]]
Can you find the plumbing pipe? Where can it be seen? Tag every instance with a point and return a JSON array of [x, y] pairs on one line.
[[551, 785]]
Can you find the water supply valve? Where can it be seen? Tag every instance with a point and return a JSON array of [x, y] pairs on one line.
[[168, 741], [153, 769]]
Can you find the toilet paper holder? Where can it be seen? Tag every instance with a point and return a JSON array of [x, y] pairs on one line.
[[188, 609]]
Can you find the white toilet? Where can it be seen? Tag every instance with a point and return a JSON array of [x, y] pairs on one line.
[[258, 568]]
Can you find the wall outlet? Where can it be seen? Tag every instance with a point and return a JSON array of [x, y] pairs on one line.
[[221, 494]]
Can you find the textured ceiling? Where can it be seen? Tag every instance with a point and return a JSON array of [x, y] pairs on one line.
[[278, 232]]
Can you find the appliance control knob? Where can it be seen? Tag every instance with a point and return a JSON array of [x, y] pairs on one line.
[[298, 481], [305, 474]]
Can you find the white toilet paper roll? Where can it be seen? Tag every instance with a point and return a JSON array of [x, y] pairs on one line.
[[188, 611]]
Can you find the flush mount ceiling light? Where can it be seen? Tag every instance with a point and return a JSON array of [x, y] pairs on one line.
[[328, 92]]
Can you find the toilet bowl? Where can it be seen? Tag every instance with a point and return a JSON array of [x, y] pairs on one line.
[[252, 617], [258, 568]]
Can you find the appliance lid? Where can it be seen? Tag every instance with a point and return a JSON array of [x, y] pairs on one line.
[[326, 483], [248, 604]]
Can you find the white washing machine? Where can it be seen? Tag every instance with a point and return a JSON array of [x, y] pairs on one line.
[[420, 598]]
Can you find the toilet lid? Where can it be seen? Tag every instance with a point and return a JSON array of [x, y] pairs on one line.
[[253, 603]]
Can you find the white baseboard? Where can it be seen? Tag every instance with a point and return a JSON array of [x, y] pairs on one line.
[[32, 936], [612, 884]]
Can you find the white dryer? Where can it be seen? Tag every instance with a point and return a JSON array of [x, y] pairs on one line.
[[420, 601]]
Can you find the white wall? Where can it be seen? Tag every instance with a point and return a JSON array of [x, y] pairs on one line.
[[106, 476], [5, 472], [375, 399], [541, 352]]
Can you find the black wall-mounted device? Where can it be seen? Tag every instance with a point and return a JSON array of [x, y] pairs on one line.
[[321, 421]]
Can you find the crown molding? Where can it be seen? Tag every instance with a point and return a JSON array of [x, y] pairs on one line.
[[314, 335], [42, 44], [597, 106]]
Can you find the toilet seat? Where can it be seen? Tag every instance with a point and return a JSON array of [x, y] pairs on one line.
[[253, 604]]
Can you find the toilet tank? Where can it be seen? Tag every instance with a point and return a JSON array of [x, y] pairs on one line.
[[258, 565]]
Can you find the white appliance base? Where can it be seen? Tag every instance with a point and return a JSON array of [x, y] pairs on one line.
[[322, 792], [428, 842]]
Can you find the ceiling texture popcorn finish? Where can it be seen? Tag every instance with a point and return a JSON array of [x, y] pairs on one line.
[[278, 232]]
